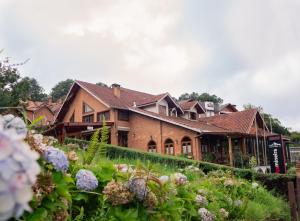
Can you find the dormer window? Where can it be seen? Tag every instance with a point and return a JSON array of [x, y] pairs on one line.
[[162, 110], [193, 116], [86, 108]]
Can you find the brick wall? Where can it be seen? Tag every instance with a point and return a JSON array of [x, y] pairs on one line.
[[76, 105], [143, 129], [44, 111]]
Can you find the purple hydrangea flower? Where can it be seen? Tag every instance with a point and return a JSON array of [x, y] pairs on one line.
[[18, 172], [138, 186], [57, 157], [86, 180]]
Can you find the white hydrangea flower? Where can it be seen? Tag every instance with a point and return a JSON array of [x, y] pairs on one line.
[[192, 168], [19, 169], [179, 178], [224, 213], [201, 200], [164, 179], [206, 215], [255, 185], [229, 182], [202, 192], [123, 168], [14, 126], [238, 203]]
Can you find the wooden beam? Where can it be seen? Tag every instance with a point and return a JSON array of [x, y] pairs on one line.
[[230, 152]]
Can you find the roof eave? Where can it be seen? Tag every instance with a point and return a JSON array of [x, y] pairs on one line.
[[165, 120]]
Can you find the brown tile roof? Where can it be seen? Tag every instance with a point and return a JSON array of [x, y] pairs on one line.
[[36, 105], [197, 126], [186, 105], [33, 105], [223, 106], [238, 122], [127, 96]]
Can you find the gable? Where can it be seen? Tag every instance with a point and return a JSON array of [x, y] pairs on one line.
[[79, 100]]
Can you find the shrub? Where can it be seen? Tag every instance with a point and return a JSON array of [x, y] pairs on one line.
[[277, 182]]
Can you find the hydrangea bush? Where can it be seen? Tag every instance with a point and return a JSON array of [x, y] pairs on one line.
[[19, 168], [63, 187]]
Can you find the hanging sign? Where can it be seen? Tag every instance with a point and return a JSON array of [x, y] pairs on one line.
[[276, 154]]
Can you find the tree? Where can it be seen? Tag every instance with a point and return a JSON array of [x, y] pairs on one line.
[[9, 77], [295, 137], [101, 84], [202, 97], [61, 89], [13, 87], [27, 89], [273, 124]]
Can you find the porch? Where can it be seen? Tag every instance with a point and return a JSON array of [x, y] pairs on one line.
[[234, 149]]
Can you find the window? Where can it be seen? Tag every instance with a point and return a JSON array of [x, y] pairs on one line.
[[72, 118], [193, 116], [88, 118], [173, 112], [204, 148], [152, 146], [186, 145], [169, 147], [103, 115], [86, 108], [162, 109], [123, 115]]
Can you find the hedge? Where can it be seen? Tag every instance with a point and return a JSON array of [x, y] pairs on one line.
[[277, 182]]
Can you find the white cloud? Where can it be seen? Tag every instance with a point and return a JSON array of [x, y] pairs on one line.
[[252, 46], [137, 43], [273, 87]]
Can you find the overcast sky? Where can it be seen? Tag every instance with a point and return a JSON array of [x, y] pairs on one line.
[[244, 51]]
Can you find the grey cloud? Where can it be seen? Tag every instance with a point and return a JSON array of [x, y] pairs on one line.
[[236, 49]]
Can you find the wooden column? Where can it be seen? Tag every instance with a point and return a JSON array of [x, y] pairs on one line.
[[230, 152], [63, 134], [198, 148], [244, 151], [298, 186], [292, 200]]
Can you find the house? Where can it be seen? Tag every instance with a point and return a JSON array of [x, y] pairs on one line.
[[47, 109], [158, 123]]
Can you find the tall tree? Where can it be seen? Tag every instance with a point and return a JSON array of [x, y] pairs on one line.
[[295, 137], [61, 89], [28, 89], [13, 87], [101, 84], [273, 123], [202, 97]]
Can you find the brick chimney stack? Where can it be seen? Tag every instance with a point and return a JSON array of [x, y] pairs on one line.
[[116, 90], [49, 100]]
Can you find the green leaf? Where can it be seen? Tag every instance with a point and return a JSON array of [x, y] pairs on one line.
[[38, 215], [57, 177], [81, 196], [36, 121]]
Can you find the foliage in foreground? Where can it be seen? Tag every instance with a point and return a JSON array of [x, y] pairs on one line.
[[273, 182], [67, 188]]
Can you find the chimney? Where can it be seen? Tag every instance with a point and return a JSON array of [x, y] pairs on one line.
[[116, 90], [49, 100]]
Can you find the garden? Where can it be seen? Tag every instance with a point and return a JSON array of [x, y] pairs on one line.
[[43, 180]]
